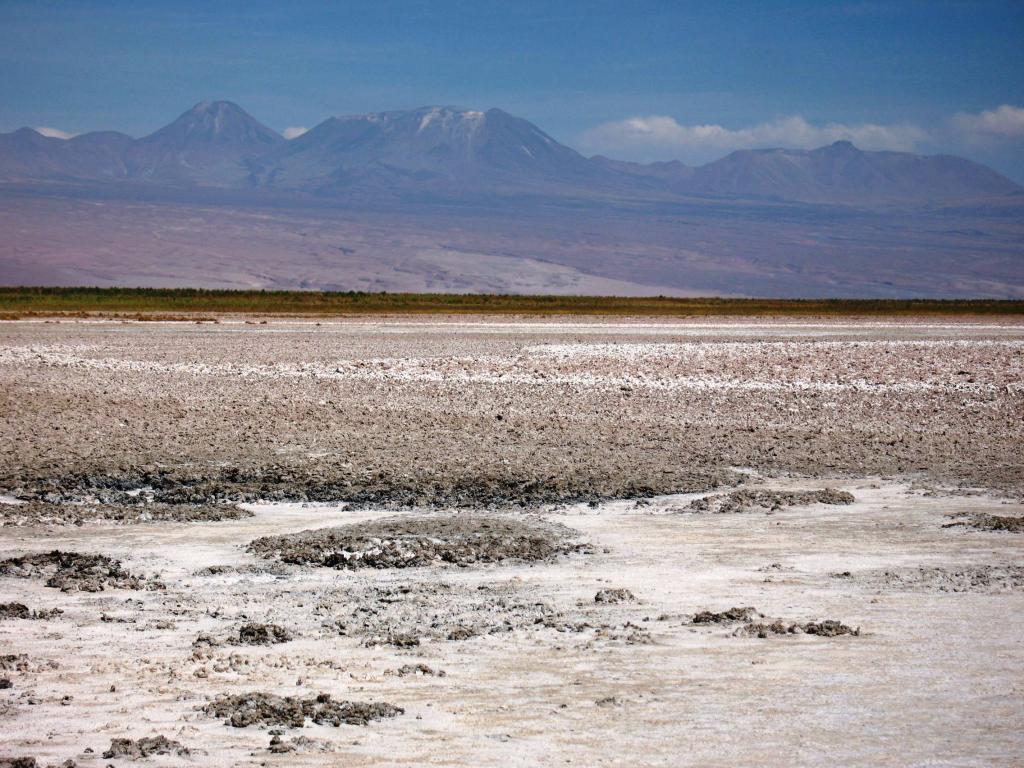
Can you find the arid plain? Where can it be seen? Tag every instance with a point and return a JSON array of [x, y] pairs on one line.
[[512, 541]]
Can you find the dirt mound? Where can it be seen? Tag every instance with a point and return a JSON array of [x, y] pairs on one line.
[[407, 615], [135, 749], [614, 596], [279, 746], [746, 500], [987, 522], [419, 670], [31, 762], [20, 662], [259, 708], [75, 571], [403, 615], [262, 569], [262, 634], [22, 611], [37, 512], [405, 542], [826, 628], [727, 617], [14, 611], [410, 640], [14, 662]]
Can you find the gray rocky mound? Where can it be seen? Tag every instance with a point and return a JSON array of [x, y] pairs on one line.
[[260, 708], [826, 628], [406, 542], [726, 617], [75, 571], [300, 743], [614, 596], [986, 522], [262, 634], [745, 500], [421, 670], [755, 624], [148, 745], [14, 662], [22, 611]]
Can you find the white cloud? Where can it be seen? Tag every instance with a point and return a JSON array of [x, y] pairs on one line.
[[294, 131], [1003, 123], [659, 135], [55, 133]]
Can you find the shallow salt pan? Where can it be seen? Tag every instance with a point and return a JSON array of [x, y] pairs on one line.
[[516, 370]]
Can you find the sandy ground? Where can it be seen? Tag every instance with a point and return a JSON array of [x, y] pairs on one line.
[[706, 248], [918, 421], [586, 407]]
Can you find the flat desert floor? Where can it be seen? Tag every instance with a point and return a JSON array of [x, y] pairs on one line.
[[469, 542]]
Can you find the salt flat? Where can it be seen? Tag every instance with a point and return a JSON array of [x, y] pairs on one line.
[[120, 438]]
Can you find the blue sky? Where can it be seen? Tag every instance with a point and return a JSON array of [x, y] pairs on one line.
[[639, 80]]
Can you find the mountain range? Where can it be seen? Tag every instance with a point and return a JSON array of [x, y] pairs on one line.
[[442, 198], [451, 151]]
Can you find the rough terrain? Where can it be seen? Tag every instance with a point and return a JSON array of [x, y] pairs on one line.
[[525, 560]]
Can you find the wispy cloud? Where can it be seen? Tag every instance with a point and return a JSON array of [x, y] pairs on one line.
[[663, 135], [1005, 123], [293, 131], [55, 133]]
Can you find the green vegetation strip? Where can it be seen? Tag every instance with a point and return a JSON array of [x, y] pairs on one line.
[[29, 302]]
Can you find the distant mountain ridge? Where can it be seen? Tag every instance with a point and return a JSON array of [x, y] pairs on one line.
[[457, 152], [841, 172], [442, 146]]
